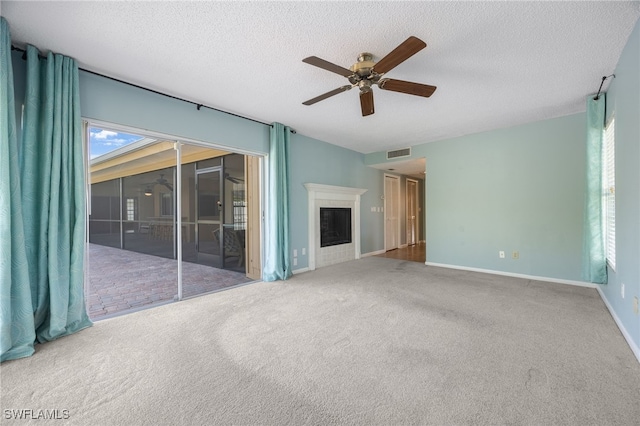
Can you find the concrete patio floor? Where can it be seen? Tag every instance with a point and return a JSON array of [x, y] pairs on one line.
[[123, 280]]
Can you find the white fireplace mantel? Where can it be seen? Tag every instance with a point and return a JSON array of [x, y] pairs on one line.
[[319, 193]]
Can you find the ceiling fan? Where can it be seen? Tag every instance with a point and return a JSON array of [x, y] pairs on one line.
[[160, 181], [365, 73], [233, 179]]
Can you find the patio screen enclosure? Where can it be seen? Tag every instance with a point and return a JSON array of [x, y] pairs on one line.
[[142, 201]]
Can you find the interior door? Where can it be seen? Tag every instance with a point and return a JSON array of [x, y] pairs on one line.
[[391, 212], [209, 216], [412, 212]]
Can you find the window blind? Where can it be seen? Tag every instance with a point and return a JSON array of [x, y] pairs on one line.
[[609, 192]]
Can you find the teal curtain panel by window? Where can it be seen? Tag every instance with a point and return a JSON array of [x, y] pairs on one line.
[[17, 331], [594, 262], [277, 264], [53, 195], [52, 204]]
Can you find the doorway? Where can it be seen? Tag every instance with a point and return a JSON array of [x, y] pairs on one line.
[[412, 212], [391, 212], [209, 216]]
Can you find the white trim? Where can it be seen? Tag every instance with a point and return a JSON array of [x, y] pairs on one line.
[[299, 271], [396, 202], [262, 200], [634, 347], [511, 274], [373, 253], [405, 245], [318, 191], [178, 200], [406, 208], [330, 191]]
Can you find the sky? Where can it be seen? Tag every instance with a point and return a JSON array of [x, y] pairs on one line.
[[104, 141]]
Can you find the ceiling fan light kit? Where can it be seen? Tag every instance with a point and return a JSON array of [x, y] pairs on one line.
[[366, 72]]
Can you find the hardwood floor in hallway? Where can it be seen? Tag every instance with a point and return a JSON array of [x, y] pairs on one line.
[[415, 253]]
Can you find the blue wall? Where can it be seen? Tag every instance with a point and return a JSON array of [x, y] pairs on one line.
[[108, 100], [19, 82], [515, 189], [623, 100], [314, 161]]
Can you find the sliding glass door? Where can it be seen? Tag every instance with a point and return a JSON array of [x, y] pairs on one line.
[[159, 233], [132, 258], [209, 217], [215, 254]]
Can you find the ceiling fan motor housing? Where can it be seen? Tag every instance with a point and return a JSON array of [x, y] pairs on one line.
[[363, 71]]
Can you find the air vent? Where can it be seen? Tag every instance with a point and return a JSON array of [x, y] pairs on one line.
[[404, 152]]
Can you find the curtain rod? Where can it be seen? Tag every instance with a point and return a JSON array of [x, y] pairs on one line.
[[601, 83], [198, 106]]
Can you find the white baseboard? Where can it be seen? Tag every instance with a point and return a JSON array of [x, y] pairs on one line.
[[373, 253], [634, 347], [512, 274], [299, 271], [403, 246]]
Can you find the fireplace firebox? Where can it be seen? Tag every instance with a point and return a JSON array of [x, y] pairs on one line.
[[335, 226]]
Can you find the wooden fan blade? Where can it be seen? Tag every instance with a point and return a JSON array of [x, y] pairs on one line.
[[366, 103], [327, 95], [404, 51], [326, 65], [407, 87]]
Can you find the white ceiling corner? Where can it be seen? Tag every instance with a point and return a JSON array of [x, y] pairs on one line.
[[496, 64]]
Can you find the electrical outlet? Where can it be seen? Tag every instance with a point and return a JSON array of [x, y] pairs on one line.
[[295, 261], [295, 252], [304, 251], [515, 255], [622, 290], [635, 305], [501, 254]]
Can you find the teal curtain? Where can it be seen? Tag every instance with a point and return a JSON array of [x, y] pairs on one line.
[[49, 198], [17, 331], [594, 260], [277, 263]]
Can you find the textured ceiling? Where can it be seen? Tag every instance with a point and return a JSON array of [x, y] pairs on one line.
[[496, 64]]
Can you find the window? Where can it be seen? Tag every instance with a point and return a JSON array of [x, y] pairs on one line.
[[131, 209], [166, 204], [239, 207], [609, 192]]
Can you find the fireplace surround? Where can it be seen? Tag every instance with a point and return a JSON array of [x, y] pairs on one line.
[[334, 199]]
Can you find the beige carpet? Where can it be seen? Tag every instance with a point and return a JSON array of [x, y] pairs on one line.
[[374, 341]]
